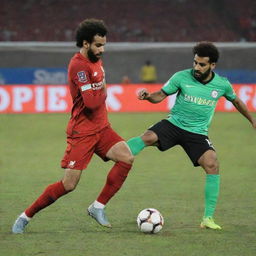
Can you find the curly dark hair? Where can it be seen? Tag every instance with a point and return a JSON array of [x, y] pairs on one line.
[[87, 29], [207, 49]]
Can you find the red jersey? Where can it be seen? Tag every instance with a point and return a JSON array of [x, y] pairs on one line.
[[88, 90]]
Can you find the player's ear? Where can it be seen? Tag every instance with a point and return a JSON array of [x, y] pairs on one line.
[[85, 44], [213, 65]]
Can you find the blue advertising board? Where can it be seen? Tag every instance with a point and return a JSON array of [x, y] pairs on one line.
[[238, 76], [59, 75], [33, 75]]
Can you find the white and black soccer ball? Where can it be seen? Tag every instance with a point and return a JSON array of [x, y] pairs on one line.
[[150, 220]]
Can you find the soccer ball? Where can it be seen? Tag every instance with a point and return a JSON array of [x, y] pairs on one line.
[[150, 220]]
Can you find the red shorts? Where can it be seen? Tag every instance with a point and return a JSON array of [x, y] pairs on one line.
[[80, 150]]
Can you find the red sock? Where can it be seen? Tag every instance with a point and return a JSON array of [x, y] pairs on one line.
[[49, 196], [115, 180]]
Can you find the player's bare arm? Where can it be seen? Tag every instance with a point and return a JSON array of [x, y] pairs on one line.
[[241, 107], [154, 97]]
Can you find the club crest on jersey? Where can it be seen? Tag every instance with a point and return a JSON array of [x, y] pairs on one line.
[[71, 164], [82, 76], [214, 94]]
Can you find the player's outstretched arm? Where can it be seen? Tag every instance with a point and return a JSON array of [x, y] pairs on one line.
[[241, 107], [154, 97]]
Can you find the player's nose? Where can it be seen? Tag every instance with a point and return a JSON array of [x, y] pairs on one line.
[[102, 49], [197, 68]]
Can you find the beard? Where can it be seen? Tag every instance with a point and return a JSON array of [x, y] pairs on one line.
[[93, 57], [201, 76]]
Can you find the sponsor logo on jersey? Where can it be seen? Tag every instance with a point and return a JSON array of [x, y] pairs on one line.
[[199, 100], [189, 86], [214, 94], [98, 86], [82, 76], [95, 73]]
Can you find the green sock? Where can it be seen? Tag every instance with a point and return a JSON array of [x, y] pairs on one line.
[[212, 187], [136, 145]]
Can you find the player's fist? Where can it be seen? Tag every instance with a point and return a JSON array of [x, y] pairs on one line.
[[143, 94]]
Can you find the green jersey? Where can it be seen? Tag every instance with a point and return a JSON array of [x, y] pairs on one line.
[[195, 102]]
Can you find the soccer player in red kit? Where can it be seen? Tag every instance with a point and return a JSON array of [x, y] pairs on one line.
[[88, 129]]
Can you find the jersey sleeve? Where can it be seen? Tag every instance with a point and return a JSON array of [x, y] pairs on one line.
[[172, 85], [92, 98], [229, 92]]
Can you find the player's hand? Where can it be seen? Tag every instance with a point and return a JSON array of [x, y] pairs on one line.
[[143, 94]]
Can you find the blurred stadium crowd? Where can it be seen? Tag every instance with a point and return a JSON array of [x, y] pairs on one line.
[[131, 20]]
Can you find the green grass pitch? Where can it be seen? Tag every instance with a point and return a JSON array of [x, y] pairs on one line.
[[31, 147]]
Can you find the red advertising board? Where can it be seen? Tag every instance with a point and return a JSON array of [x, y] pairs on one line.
[[121, 98]]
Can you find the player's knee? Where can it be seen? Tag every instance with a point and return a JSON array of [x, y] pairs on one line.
[[212, 167], [149, 138], [126, 158], [69, 186], [129, 159], [120, 152]]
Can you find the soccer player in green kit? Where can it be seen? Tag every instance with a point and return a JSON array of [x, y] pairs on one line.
[[198, 91]]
